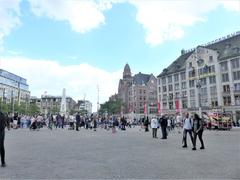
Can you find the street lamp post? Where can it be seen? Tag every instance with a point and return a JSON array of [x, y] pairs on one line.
[[198, 86], [3, 94], [98, 100], [12, 101]]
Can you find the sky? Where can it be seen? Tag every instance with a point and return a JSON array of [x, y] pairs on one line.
[[82, 44]]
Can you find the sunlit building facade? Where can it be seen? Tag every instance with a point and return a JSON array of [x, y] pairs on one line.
[[13, 87], [204, 79]]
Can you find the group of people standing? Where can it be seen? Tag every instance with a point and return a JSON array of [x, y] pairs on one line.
[[193, 126]]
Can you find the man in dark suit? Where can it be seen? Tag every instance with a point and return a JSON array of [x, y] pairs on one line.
[[3, 123], [77, 121], [164, 126]]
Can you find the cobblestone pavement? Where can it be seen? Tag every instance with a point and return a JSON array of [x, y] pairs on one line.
[[133, 154]]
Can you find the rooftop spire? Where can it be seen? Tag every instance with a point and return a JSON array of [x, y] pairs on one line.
[[127, 71]]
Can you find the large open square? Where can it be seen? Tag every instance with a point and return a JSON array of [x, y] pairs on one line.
[[131, 154]]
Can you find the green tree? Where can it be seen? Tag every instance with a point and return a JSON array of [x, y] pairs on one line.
[[5, 108], [73, 111], [33, 109], [55, 110], [83, 111], [111, 106], [20, 108]]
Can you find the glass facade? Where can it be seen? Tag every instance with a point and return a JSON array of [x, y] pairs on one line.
[[12, 80]]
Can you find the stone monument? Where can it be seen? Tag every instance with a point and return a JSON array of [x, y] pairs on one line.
[[63, 108]]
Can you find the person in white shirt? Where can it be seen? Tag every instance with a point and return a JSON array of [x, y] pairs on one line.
[[169, 124], [179, 122], [154, 126], [187, 126]]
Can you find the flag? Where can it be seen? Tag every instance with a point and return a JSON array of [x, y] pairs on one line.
[[129, 109], [159, 108], [145, 108], [177, 106]]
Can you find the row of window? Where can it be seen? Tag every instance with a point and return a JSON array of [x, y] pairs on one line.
[[176, 87], [140, 98], [201, 71], [235, 64], [213, 91], [141, 104], [204, 102], [55, 100], [171, 106], [13, 83], [226, 88], [140, 92], [203, 82], [170, 78], [192, 92], [236, 76]]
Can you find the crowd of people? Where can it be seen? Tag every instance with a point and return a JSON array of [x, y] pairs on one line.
[[193, 126]]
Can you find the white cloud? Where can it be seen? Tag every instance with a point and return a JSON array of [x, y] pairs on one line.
[[166, 20], [50, 76], [9, 18], [162, 20], [232, 5], [82, 15]]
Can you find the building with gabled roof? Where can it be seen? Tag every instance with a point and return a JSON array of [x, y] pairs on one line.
[[138, 91], [204, 79]]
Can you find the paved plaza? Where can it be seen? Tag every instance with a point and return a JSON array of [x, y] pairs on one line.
[[133, 154]]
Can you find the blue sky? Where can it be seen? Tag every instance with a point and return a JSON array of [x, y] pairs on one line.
[[103, 36]]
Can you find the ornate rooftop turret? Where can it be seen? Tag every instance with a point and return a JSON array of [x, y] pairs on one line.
[[127, 71]]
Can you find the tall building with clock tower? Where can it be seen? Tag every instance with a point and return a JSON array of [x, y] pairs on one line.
[[138, 92]]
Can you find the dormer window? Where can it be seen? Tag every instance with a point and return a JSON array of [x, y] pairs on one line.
[[228, 46], [210, 59], [236, 50], [190, 65], [200, 62]]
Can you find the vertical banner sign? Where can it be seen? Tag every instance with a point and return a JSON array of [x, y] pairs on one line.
[[130, 109], [145, 108], [159, 108], [177, 106]]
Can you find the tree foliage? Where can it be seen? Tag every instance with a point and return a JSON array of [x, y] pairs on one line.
[[22, 108], [55, 110], [111, 106]]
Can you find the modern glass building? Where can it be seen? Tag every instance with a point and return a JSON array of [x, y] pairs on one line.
[[13, 87]]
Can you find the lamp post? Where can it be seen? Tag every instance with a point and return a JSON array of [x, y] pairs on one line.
[[3, 95], [98, 100], [133, 99], [12, 101], [198, 86]]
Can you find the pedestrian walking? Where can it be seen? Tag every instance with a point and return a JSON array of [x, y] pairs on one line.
[[146, 124], [197, 131], [94, 124], [123, 123], [187, 126], [77, 121], [179, 122], [154, 126], [63, 120], [50, 121], [164, 122], [115, 125], [169, 125], [3, 123]]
